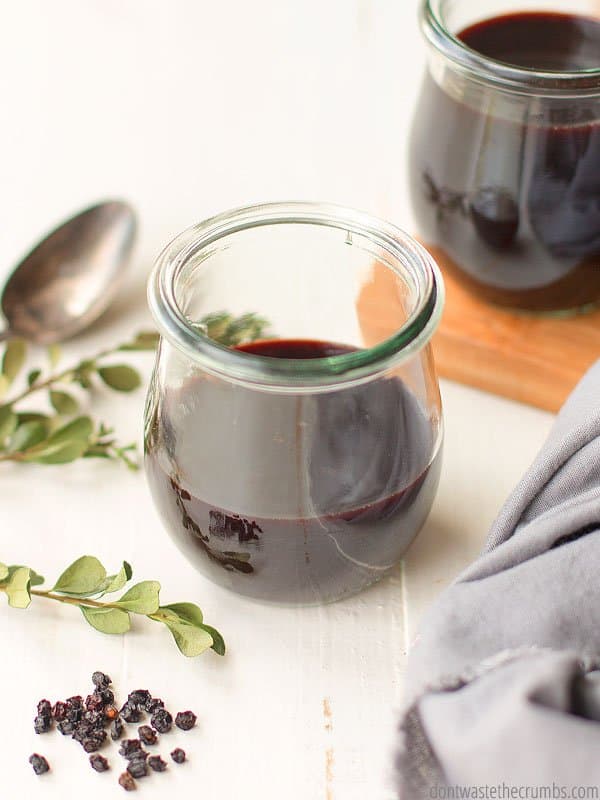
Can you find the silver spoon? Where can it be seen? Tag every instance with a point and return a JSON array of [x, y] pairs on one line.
[[71, 276]]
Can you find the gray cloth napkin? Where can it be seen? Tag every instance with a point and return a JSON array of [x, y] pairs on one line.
[[504, 679]]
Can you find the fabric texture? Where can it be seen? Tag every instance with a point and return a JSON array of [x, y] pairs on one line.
[[503, 682]]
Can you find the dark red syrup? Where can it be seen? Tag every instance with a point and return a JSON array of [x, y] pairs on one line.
[[292, 498], [514, 204]]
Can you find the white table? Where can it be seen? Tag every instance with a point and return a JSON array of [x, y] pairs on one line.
[[187, 108]]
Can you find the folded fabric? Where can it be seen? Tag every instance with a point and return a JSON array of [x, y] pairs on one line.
[[503, 681]]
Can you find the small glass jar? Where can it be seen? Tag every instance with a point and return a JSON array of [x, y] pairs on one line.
[[505, 160], [299, 467]]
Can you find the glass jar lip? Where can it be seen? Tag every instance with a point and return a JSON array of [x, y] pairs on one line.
[[294, 373], [513, 78]]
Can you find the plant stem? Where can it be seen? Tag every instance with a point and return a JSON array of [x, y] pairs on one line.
[[35, 387], [11, 457], [74, 601], [60, 376], [120, 453]]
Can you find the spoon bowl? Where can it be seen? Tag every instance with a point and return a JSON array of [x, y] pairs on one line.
[[71, 276]]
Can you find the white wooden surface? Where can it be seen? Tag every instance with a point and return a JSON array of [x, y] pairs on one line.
[[186, 108]]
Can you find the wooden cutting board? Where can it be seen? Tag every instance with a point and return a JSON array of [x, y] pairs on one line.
[[533, 359]]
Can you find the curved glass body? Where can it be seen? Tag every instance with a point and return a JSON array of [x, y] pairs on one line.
[[295, 469], [504, 159]]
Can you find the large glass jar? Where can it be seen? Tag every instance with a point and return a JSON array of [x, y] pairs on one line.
[[505, 159], [297, 468]]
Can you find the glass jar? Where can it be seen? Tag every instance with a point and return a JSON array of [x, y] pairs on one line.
[[299, 467], [504, 159]]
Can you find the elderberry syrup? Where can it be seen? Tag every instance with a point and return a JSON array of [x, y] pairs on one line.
[[293, 469], [326, 502], [505, 152]]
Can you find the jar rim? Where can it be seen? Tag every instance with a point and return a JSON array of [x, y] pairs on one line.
[[294, 373], [521, 80]]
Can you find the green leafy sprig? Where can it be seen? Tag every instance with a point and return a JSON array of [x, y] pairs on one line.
[[86, 581], [231, 331], [59, 434]]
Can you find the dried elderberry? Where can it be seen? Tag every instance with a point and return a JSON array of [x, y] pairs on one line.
[[39, 764], [157, 763], [161, 720], [129, 747], [127, 782], [42, 724], [101, 680], [147, 734], [98, 762], [185, 720], [116, 729], [137, 768]]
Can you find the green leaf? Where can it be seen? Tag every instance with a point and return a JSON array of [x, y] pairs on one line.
[[141, 598], [185, 612], [49, 423], [112, 583], [163, 614], [17, 588], [127, 569], [4, 385], [81, 577], [28, 434], [115, 583], [218, 644], [63, 403], [97, 451], [190, 640], [33, 376], [229, 330], [3, 571], [144, 340], [53, 354], [79, 428], [33, 416], [64, 445], [107, 620], [190, 614], [84, 372], [35, 579], [120, 377], [14, 358], [8, 422], [84, 379], [63, 453], [216, 324]]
